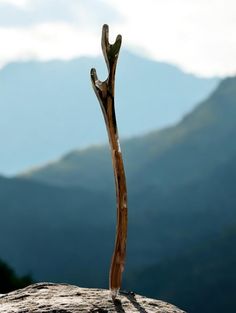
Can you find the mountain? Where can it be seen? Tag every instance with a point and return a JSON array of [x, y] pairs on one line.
[[58, 222], [201, 278], [161, 160], [50, 108], [50, 232], [180, 248]]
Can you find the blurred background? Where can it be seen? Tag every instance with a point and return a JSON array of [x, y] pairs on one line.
[[176, 112]]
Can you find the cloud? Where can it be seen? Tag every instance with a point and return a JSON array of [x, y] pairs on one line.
[[46, 42], [18, 3], [197, 35], [46, 30], [30, 12]]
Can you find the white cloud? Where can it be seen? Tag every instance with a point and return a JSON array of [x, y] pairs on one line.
[[18, 3], [197, 35], [46, 42]]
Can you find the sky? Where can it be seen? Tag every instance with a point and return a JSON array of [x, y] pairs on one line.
[[199, 36]]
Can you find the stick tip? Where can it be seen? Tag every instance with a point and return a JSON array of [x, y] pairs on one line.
[[105, 37], [105, 27], [119, 38], [93, 74]]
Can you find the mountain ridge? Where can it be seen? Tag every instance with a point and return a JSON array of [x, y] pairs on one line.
[[53, 108], [181, 187], [86, 166]]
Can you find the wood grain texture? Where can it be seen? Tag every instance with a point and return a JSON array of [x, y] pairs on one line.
[[105, 91]]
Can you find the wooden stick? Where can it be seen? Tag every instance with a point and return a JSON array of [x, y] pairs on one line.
[[104, 91]]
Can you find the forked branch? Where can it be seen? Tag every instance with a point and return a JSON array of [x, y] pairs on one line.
[[105, 91]]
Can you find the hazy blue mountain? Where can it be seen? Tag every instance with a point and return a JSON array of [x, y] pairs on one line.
[[201, 142], [67, 234], [202, 278], [49, 108], [59, 222], [55, 234]]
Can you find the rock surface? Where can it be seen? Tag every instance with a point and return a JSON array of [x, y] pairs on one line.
[[63, 298]]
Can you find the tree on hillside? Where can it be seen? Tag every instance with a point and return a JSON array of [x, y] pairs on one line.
[[10, 281]]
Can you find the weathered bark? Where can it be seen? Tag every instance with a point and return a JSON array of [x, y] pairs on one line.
[[63, 298], [105, 92]]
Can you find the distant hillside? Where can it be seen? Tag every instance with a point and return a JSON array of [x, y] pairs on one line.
[[201, 280], [49, 108], [203, 277], [201, 142], [59, 222], [53, 233]]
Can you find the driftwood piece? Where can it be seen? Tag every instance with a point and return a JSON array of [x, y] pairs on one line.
[[105, 91], [63, 298]]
